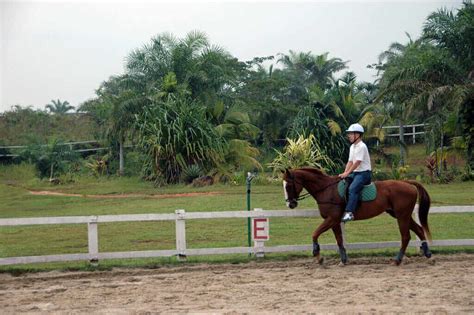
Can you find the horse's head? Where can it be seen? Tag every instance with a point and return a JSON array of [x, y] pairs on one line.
[[292, 188]]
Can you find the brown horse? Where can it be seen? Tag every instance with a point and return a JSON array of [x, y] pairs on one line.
[[396, 197]]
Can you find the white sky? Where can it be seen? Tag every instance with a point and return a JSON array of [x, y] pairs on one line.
[[65, 49]]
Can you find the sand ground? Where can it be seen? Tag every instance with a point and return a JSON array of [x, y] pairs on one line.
[[444, 284]]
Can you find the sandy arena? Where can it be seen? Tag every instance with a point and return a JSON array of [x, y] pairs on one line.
[[369, 285]]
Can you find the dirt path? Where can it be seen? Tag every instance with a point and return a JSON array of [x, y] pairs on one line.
[[299, 286], [119, 196]]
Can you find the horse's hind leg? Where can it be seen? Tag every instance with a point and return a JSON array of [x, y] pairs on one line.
[[340, 242], [418, 230], [415, 227], [404, 227]]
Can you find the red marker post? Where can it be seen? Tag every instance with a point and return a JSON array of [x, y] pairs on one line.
[[260, 234]]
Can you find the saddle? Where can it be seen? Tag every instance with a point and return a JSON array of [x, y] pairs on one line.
[[368, 193]]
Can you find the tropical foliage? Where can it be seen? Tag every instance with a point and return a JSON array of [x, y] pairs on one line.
[[189, 108], [51, 160], [432, 78], [176, 133], [299, 153], [59, 107]]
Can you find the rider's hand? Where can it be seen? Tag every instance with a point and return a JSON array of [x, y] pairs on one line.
[[343, 175]]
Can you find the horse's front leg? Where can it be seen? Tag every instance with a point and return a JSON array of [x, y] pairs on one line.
[[323, 227], [340, 242]]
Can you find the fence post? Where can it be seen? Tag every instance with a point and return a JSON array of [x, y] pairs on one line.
[[93, 240], [260, 233], [181, 234], [414, 134]]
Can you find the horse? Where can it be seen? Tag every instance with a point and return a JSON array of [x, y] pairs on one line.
[[396, 197]]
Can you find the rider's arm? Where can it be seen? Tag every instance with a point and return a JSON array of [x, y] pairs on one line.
[[353, 167], [350, 167]]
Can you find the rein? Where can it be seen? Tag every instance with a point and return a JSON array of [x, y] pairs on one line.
[[319, 190]]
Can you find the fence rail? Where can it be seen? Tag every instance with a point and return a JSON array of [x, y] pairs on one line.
[[412, 133], [71, 144], [180, 216]]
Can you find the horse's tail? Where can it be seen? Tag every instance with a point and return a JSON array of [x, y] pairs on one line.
[[424, 201]]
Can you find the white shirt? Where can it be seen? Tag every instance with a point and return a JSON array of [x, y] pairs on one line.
[[359, 152]]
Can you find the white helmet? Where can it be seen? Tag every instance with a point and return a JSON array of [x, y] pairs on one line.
[[355, 128]]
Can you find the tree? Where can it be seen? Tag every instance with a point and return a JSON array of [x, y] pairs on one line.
[[115, 108], [50, 160], [234, 125], [432, 74], [392, 62], [323, 132], [312, 69], [202, 69], [124, 105], [264, 92], [59, 107], [455, 35], [176, 133]]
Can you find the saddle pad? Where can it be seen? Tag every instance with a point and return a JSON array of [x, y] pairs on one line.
[[369, 192]]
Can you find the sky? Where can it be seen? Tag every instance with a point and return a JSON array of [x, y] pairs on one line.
[[65, 49]]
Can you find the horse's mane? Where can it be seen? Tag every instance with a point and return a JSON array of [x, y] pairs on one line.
[[315, 171]]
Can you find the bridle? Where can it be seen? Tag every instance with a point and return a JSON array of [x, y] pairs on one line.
[[293, 181]]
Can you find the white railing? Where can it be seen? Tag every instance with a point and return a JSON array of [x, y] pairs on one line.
[[412, 133], [180, 217], [71, 144]]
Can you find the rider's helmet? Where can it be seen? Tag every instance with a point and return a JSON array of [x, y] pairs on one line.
[[355, 128]]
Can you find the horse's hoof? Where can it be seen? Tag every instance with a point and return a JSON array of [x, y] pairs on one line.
[[431, 261], [341, 264], [396, 262], [321, 260]]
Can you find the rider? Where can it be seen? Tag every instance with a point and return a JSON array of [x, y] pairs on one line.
[[359, 165]]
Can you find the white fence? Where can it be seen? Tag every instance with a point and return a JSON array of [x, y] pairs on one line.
[[413, 132], [180, 217], [71, 144]]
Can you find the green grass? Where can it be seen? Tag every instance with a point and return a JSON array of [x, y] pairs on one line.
[[16, 201], [416, 159]]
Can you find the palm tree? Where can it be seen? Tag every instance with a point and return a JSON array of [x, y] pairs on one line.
[[235, 126], [455, 35], [123, 104], [174, 134], [198, 67], [394, 63], [59, 107], [433, 74], [312, 69]]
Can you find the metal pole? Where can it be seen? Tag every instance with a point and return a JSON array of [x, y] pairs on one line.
[[250, 176]]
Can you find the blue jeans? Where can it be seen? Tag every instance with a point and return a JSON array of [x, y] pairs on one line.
[[359, 180]]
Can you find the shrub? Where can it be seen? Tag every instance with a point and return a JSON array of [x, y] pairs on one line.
[[299, 153], [191, 172]]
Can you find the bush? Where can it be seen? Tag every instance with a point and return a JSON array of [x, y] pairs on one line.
[[468, 174], [379, 175], [133, 163], [300, 153], [191, 172], [53, 159]]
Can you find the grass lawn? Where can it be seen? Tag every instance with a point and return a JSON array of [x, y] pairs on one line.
[[17, 201]]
